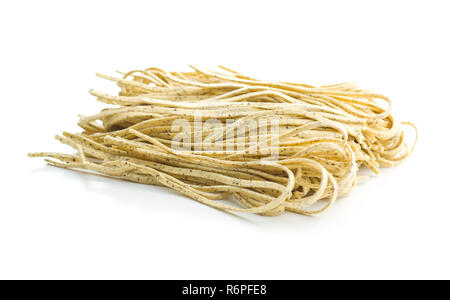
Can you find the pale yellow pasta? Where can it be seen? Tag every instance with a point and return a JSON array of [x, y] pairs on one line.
[[321, 137]]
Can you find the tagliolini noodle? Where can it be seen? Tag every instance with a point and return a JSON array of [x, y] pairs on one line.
[[321, 137]]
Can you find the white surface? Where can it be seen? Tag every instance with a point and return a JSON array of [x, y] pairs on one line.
[[62, 224]]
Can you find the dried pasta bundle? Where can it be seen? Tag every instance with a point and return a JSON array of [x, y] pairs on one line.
[[270, 146]]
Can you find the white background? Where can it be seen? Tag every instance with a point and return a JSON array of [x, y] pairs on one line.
[[58, 224]]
